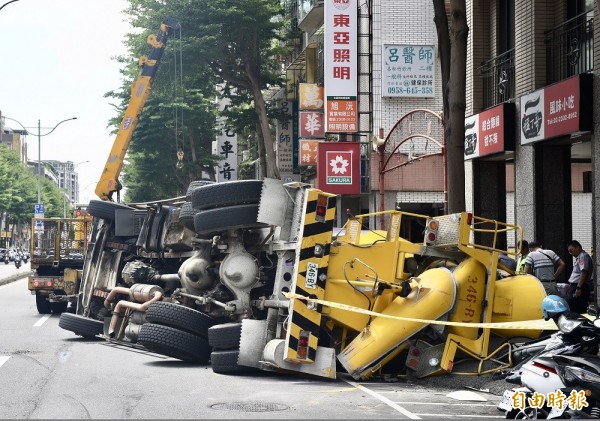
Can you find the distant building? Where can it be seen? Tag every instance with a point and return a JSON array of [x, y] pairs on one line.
[[15, 140], [67, 178]]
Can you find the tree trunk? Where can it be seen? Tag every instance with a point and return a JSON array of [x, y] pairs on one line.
[[452, 42], [455, 130], [262, 156], [261, 110]]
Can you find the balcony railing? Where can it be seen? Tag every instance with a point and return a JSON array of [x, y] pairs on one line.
[[570, 48], [498, 79]]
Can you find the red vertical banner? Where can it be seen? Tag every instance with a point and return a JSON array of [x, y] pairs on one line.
[[338, 168], [309, 149], [312, 124]]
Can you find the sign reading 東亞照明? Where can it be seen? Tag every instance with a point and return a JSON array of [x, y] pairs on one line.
[[340, 62]]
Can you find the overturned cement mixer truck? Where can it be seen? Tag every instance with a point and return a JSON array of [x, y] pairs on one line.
[[253, 275]]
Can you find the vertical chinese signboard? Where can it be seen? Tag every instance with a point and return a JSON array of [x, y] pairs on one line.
[[311, 124], [309, 149], [285, 138], [341, 60], [338, 168], [226, 146], [408, 71]]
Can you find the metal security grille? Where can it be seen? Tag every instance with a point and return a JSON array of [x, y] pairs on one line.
[[570, 48], [498, 79]]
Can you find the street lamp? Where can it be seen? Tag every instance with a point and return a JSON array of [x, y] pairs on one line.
[[7, 3], [39, 136]]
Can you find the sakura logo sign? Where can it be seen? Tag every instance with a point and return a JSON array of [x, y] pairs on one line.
[[339, 170], [338, 167]]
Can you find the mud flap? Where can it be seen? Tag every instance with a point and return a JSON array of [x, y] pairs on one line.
[[323, 366], [252, 342]]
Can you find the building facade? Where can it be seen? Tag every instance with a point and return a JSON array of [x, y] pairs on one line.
[[67, 178], [530, 149], [531, 63]]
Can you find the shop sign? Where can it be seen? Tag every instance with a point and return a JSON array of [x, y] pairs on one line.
[[490, 132], [309, 149], [341, 62], [338, 169], [557, 110], [285, 135], [408, 71], [312, 124], [311, 96]]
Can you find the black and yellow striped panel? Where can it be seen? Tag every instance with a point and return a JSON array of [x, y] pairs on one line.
[[302, 320]]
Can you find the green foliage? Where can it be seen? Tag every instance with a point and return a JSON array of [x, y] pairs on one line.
[[18, 195], [222, 42]]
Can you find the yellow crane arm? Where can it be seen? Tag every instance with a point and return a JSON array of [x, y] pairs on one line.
[[109, 179]]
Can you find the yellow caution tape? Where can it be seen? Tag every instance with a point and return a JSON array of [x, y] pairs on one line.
[[538, 324]]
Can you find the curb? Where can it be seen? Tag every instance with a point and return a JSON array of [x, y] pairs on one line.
[[15, 277]]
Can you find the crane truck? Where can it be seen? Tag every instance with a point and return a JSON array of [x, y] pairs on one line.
[[58, 257], [253, 275]]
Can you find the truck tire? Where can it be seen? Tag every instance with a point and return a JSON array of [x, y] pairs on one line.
[[194, 185], [174, 343], [224, 219], [225, 362], [105, 210], [179, 317], [186, 215], [58, 308], [230, 193], [225, 336], [80, 325], [42, 303]]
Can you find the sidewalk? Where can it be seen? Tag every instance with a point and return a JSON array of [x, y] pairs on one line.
[[22, 273]]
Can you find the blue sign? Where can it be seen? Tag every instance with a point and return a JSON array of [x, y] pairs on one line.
[[38, 208]]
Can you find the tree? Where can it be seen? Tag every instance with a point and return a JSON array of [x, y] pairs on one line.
[[452, 41], [18, 195], [236, 39], [178, 116]]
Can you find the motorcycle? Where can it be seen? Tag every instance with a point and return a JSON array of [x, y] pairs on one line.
[[539, 374], [581, 379], [17, 260]]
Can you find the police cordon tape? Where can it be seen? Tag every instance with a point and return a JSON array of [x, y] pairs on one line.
[[536, 324]]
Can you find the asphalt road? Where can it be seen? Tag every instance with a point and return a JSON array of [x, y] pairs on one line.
[[47, 372]]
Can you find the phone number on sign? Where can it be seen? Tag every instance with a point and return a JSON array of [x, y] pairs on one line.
[[409, 91], [561, 118]]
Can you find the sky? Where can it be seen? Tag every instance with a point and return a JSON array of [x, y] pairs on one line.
[[56, 63]]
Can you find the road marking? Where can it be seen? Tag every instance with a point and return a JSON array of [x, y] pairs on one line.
[[489, 405], [4, 359], [462, 415], [385, 400], [41, 321]]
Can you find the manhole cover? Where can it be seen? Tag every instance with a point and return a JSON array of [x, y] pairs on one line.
[[249, 406]]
